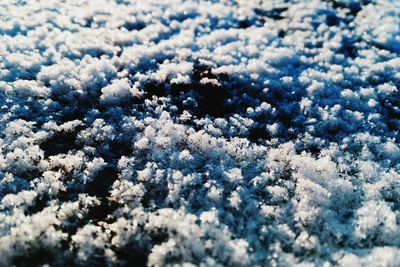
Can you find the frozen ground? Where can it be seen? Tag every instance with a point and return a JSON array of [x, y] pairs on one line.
[[211, 133]]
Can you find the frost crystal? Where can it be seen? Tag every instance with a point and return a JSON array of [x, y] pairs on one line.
[[199, 133]]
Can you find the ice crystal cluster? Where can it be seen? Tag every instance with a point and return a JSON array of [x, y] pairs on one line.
[[199, 133]]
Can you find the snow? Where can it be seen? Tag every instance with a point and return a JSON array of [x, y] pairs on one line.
[[199, 133]]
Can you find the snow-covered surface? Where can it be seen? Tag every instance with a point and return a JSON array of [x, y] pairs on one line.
[[212, 133]]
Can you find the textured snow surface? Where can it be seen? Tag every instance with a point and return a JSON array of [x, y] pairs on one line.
[[199, 133]]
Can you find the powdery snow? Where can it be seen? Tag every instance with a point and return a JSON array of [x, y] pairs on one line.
[[199, 133]]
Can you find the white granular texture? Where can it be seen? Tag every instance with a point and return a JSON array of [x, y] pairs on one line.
[[199, 133]]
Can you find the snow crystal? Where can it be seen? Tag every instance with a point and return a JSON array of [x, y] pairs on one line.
[[199, 133]]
